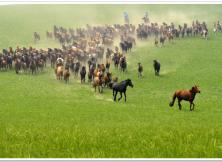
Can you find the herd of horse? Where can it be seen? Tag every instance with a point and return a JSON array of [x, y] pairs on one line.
[[23, 60], [166, 31], [83, 51]]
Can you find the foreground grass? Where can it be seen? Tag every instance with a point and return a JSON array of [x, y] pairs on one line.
[[42, 117]]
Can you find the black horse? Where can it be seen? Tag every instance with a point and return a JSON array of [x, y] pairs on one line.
[[83, 74], [121, 88], [156, 66], [126, 46], [123, 64], [76, 68], [123, 47]]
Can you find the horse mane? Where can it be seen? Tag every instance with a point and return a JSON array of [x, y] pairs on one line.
[[124, 81]]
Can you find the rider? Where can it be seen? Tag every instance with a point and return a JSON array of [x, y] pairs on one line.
[[126, 17], [146, 18]]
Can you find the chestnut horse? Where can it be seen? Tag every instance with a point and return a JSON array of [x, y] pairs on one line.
[[187, 95], [59, 72], [98, 82]]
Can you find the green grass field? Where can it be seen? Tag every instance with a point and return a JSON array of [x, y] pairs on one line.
[[42, 117]]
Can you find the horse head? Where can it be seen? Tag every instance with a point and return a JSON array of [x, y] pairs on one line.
[[129, 82], [195, 89]]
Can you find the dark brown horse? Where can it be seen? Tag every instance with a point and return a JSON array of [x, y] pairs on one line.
[[66, 75], [187, 95]]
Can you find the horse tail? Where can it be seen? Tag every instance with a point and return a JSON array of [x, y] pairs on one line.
[[172, 102]]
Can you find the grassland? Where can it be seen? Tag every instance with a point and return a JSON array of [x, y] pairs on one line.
[[42, 117]]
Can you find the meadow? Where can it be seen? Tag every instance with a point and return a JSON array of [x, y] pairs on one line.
[[43, 117]]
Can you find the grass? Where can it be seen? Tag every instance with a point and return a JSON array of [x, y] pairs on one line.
[[42, 117]]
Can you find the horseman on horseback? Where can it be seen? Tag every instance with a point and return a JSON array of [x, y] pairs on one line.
[[146, 18], [126, 17]]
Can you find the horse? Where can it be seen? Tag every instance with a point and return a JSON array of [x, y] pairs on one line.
[[24, 67], [204, 34], [156, 42], [140, 70], [76, 68], [116, 60], [40, 64], [83, 74], [170, 36], [123, 64], [129, 45], [156, 66], [107, 79], [98, 82], [66, 75], [123, 47], [121, 88], [9, 61], [162, 40], [91, 72], [33, 66], [36, 37], [17, 65], [53, 60], [3, 63], [187, 95], [107, 66], [59, 72], [49, 34]]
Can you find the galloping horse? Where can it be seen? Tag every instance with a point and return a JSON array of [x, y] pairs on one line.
[[156, 66], [66, 75], [59, 72], [121, 88], [98, 82], [17, 65], [123, 64], [107, 79], [187, 95], [83, 74], [33, 66], [162, 40]]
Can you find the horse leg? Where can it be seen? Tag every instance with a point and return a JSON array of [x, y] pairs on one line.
[[101, 89], [120, 96], [191, 103], [193, 107], [125, 95], [115, 95], [179, 104]]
